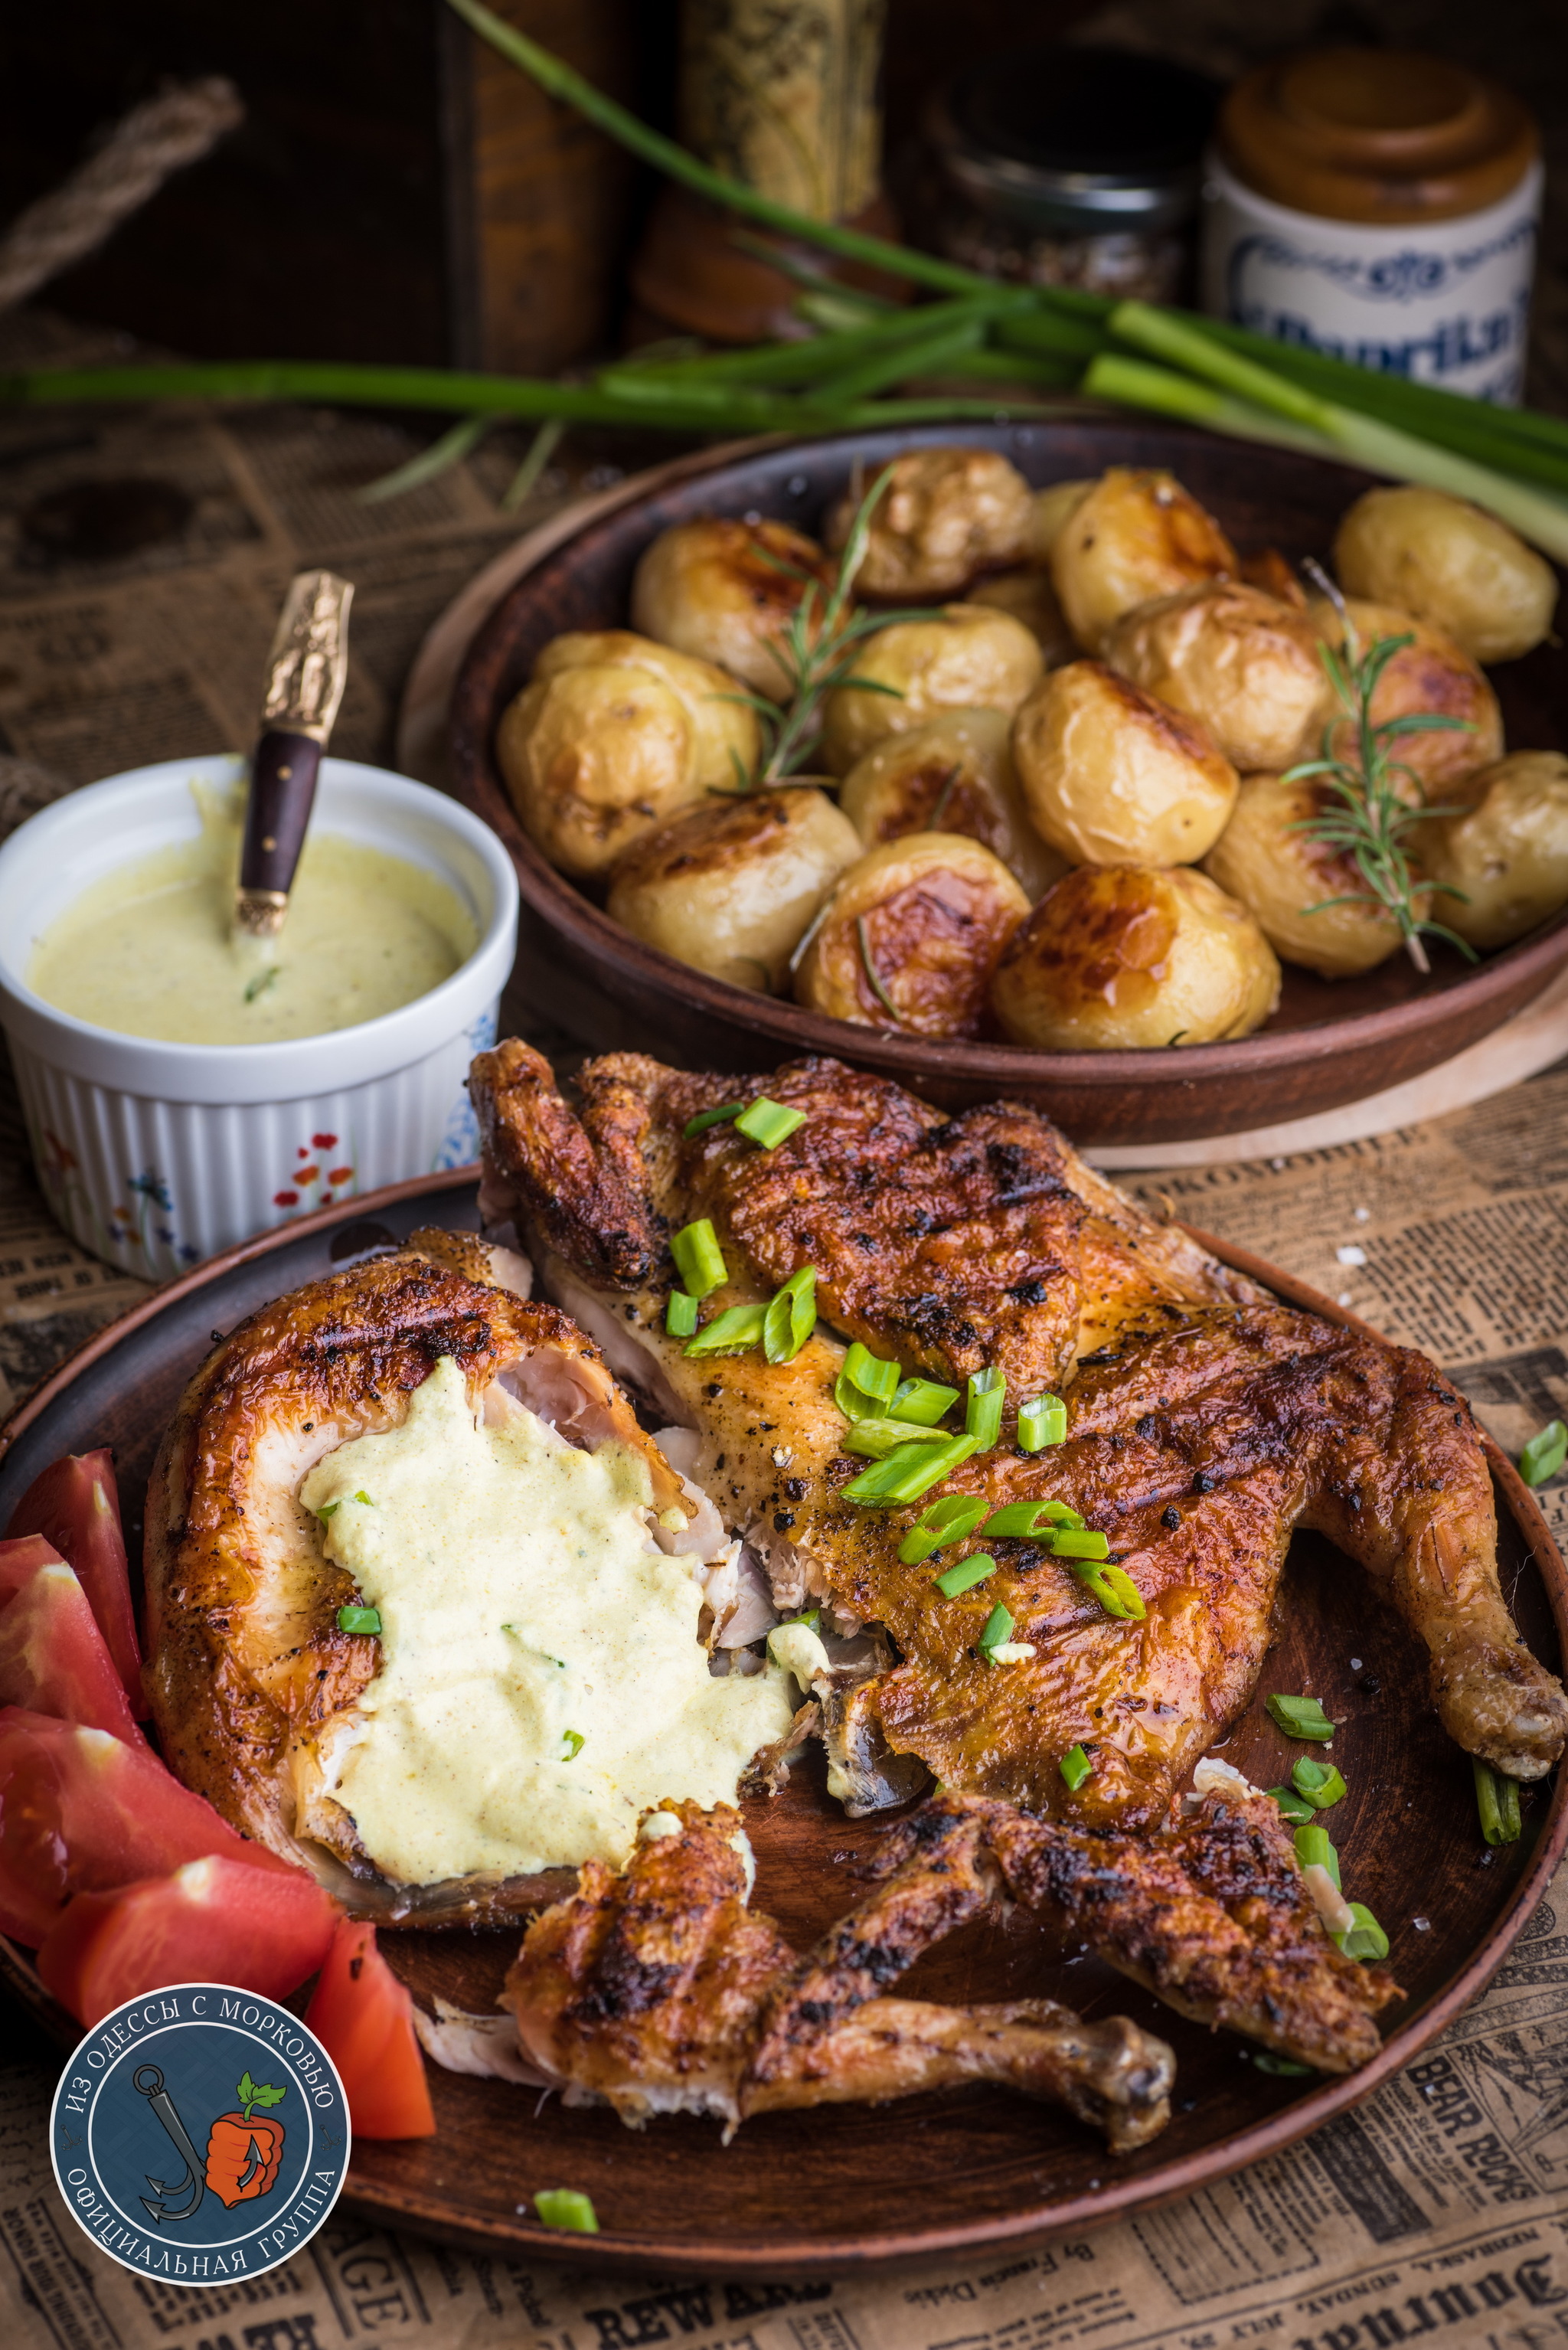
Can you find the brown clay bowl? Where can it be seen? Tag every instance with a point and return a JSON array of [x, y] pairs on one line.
[[1330, 1041], [933, 2177]]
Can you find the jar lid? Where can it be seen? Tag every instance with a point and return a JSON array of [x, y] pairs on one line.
[[1375, 135], [1081, 141]]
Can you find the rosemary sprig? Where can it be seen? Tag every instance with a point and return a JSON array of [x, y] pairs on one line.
[[1372, 811], [817, 651], [874, 977]]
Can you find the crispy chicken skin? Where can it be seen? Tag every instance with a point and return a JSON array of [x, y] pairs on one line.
[[248, 1666], [660, 1990], [1206, 1421]]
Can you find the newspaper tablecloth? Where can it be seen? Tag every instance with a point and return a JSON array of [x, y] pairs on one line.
[[1438, 2208]]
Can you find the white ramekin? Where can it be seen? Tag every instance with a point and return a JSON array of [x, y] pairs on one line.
[[155, 1155]]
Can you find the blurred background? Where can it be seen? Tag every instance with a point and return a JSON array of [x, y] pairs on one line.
[[397, 192]]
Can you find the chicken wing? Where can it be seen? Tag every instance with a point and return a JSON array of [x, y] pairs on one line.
[[1206, 1421], [660, 1990]]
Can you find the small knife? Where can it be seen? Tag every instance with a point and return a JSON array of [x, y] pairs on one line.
[[307, 671]]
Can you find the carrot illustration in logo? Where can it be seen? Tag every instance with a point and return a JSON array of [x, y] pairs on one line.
[[244, 2153]]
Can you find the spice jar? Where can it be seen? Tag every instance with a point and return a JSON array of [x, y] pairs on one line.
[[1066, 166], [1379, 205], [783, 96]]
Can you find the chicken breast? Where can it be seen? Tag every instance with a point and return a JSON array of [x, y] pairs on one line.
[[1205, 1422], [413, 1434]]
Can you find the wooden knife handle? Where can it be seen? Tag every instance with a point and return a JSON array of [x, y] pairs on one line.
[[283, 790]]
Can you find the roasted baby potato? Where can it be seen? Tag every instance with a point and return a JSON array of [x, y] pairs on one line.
[[1507, 849], [731, 887], [1450, 564], [946, 516], [615, 735], [1431, 674], [725, 591], [1245, 665], [910, 937], [1135, 537], [1029, 597], [1278, 873], [1114, 778], [953, 775], [1048, 510], [1119, 957], [968, 658]]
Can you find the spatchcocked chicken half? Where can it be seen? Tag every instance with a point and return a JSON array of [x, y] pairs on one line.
[[424, 1601], [1205, 1422]]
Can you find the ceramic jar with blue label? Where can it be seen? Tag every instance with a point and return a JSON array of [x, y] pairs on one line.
[[1379, 205]]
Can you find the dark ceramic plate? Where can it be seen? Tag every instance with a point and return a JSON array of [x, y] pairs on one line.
[[1330, 1041], [852, 2185]]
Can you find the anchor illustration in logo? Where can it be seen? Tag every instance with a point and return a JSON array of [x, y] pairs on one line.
[[243, 2152]]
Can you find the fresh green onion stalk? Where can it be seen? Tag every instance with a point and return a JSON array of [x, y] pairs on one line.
[[1510, 461]]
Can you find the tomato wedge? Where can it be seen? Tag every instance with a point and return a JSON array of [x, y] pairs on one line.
[[81, 1811], [20, 1561], [53, 1659], [365, 2020], [212, 1921], [75, 1504]]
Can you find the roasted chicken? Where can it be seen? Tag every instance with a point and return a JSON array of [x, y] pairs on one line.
[[1206, 1421]]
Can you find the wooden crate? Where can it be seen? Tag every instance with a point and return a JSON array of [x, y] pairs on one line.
[[397, 192]]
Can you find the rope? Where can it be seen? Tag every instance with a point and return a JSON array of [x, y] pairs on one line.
[[153, 140]]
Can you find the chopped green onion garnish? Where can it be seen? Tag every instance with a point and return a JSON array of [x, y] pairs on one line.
[[369, 1504], [1118, 1594], [982, 1408], [327, 1510], [998, 1628], [948, 1520], [1318, 1782], [1080, 1542], [734, 1332], [680, 1314], [572, 1741], [1313, 1850], [1496, 1800], [1363, 1940], [1033, 1519], [870, 1376], [791, 1316], [563, 2207], [707, 1117], [1299, 1717], [1041, 1420], [876, 1438], [1296, 1808], [1544, 1455], [910, 1471], [1287, 2067], [965, 1573], [698, 1259], [360, 1619], [1075, 1767], [921, 1401], [768, 1122]]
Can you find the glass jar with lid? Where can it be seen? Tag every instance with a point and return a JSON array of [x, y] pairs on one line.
[[1060, 165]]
